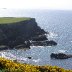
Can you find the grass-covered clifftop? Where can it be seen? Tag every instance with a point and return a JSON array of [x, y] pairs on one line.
[[10, 66], [9, 20], [15, 31]]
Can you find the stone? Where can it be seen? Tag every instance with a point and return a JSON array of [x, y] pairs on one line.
[[3, 47], [43, 43], [29, 57], [60, 56], [39, 38], [22, 46]]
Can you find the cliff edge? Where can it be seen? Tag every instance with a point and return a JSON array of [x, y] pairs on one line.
[[15, 32]]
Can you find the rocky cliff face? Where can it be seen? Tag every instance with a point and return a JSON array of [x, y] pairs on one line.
[[17, 33]]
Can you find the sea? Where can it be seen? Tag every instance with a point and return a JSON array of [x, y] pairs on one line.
[[59, 25]]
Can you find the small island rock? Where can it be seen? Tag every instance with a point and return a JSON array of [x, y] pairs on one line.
[[60, 56]]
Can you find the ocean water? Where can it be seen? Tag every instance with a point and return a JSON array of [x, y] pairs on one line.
[[59, 25]]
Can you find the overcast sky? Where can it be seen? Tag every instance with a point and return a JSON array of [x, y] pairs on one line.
[[37, 4]]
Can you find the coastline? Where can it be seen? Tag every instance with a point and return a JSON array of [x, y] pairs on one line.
[[19, 34]]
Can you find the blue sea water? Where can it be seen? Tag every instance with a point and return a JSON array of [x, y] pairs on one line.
[[59, 24]]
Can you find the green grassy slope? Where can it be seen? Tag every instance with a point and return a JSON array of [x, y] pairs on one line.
[[4, 20]]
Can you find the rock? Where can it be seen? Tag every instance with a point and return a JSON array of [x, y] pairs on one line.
[[27, 44], [51, 43], [43, 43], [29, 57], [3, 47], [22, 46], [60, 56], [39, 38]]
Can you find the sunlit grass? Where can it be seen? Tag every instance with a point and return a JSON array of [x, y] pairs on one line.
[[4, 20]]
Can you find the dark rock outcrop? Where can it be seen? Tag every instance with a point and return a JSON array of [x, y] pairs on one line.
[[43, 43], [39, 38], [25, 46], [60, 56], [3, 47], [29, 57]]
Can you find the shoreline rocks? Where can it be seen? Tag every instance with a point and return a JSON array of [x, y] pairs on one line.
[[3, 47], [43, 43], [39, 38], [60, 56], [42, 40]]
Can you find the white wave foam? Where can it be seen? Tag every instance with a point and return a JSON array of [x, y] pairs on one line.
[[71, 41], [10, 56], [49, 46], [2, 54], [40, 46], [7, 55], [62, 51], [36, 60], [37, 47], [52, 35], [22, 59]]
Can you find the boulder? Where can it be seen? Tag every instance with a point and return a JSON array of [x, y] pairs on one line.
[[60, 56], [29, 57]]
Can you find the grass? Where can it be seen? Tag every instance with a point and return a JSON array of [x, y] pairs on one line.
[[10, 66], [5, 20]]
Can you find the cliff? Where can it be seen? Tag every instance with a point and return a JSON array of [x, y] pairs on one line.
[[13, 32]]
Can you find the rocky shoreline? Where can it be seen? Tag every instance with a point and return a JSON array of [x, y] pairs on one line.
[[23, 34]]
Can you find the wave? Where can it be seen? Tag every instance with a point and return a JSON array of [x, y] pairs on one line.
[[62, 51], [7, 55], [52, 35], [36, 60], [11, 56]]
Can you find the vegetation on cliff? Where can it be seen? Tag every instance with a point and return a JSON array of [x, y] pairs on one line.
[[10, 66], [5, 20]]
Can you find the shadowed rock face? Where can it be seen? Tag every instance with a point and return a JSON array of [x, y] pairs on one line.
[[43, 43], [39, 38], [60, 56]]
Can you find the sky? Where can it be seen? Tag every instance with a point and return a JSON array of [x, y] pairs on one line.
[[37, 4]]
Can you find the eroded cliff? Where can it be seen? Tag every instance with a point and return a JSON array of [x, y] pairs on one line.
[[16, 33]]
